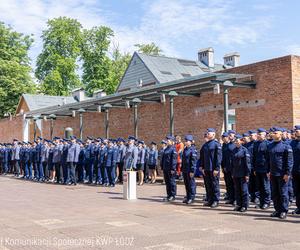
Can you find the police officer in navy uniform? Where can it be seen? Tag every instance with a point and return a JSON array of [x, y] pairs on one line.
[[261, 168], [295, 144], [253, 189], [227, 149], [169, 163], [280, 160], [188, 168], [131, 154], [120, 159], [89, 158], [240, 174], [210, 163]]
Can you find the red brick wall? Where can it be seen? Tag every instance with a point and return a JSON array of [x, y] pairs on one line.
[[274, 85], [10, 129]]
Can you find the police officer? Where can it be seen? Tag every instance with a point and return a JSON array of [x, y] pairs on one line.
[[16, 157], [89, 156], [295, 144], [240, 173], [152, 162], [253, 189], [56, 159], [141, 162], [188, 168], [210, 163], [131, 154], [102, 178], [261, 168], [120, 159], [72, 159], [168, 163], [64, 160], [227, 149], [110, 163], [280, 160]]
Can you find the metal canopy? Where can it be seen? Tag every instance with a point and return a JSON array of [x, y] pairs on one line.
[[190, 86]]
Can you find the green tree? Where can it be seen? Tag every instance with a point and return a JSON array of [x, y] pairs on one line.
[[96, 63], [150, 49], [119, 64], [57, 63], [15, 68]]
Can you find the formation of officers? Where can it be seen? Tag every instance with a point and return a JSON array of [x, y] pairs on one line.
[[259, 166]]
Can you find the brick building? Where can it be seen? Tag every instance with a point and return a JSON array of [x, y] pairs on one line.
[[261, 94]]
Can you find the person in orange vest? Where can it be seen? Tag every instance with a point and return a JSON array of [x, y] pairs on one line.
[[179, 149]]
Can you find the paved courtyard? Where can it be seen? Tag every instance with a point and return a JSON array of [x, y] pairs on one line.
[[47, 216]]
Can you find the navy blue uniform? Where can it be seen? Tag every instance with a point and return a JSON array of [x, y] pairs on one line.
[[168, 164], [189, 161], [64, 162], [295, 144], [280, 160], [240, 170], [227, 149], [261, 170], [210, 161], [89, 156], [110, 164], [253, 189]]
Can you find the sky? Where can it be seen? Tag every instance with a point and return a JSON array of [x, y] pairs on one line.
[[257, 29]]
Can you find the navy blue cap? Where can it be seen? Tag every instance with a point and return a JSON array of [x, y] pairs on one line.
[[15, 139], [121, 139], [73, 137], [225, 134], [245, 134], [189, 138], [141, 142], [252, 132], [210, 130], [260, 130], [297, 127], [277, 129], [131, 137], [170, 137], [231, 132], [283, 129], [39, 137], [153, 143], [56, 138], [238, 136], [90, 138], [163, 142]]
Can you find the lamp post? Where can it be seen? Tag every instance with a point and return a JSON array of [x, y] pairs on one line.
[[81, 111], [226, 86], [34, 126], [136, 102], [172, 94], [107, 106], [52, 118]]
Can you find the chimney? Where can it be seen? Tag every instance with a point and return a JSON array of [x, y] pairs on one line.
[[99, 93], [206, 56], [78, 94], [232, 59]]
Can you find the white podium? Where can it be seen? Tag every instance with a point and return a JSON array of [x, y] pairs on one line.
[[129, 185]]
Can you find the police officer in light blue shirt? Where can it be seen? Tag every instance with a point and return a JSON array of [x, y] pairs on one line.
[[131, 154], [188, 168], [280, 160], [72, 159], [169, 163], [210, 163]]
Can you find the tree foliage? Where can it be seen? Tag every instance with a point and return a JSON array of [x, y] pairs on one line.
[[96, 63], [15, 68], [57, 63], [149, 49]]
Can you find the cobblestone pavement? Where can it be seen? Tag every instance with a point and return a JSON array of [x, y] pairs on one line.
[[48, 216]]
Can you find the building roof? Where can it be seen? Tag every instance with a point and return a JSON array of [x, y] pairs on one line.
[[156, 69], [35, 102]]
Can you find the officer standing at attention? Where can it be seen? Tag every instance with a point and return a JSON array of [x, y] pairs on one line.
[[227, 149], [72, 159], [120, 159], [295, 144], [131, 154], [280, 160], [210, 163], [110, 163], [240, 173], [261, 169], [141, 162], [169, 163], [253, 190], [188, 168], [89, 157], [57, 154]]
